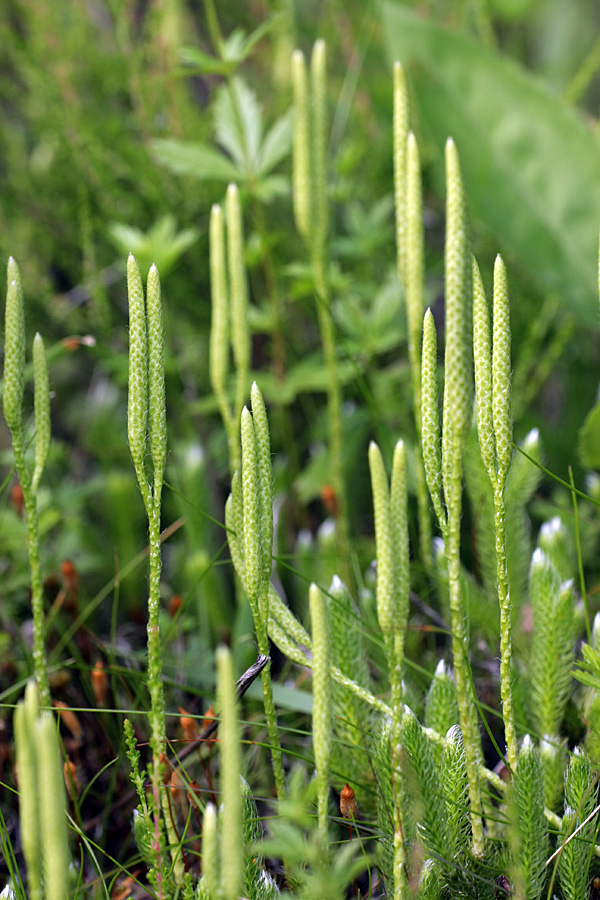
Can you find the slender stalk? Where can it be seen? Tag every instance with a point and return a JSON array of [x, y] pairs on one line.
[[147, 434], [251, 507], [445, 468], [14, 385], [504, 601], [409, 256], [311, 212], [460, 655], [494, 430]]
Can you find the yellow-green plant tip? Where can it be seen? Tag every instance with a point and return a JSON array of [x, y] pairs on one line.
[[321, 698], [482, 353], [430, 424], [52, 809], [458, 386], [229, 746], [14, 350], [263, 445], [399, 531], [318, 142], [383, 540], [240, 336], [210, 853], [41, 405], [157, 407], [251, 509], [26, 757], [219, 330], [301, 166], [137, 408], [501, 379], [414, 244], [400, 133]]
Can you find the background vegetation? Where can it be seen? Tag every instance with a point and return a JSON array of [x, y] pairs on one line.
[[123, 125]]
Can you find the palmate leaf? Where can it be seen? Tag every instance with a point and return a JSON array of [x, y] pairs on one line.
[[536, 189], [246, 155], [239, 130]]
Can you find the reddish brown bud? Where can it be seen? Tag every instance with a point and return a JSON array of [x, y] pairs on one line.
[[99, 683], [208, 720], [348, 806], [71, 779], [17, 499], [71, 343], [190, 726], [70, 720], [70, 575], [175, 605], [330, 500]]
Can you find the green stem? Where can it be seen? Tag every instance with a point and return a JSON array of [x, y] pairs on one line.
[[505, 603], [395, 653], [460, 653], [334, 406], [262, 635], [155, 684], [40, 666]]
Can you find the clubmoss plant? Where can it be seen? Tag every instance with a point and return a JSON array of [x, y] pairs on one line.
[[393, 588], [410, 252], [321, 701], [230, 333], [147, 434], [494, 429], [229, 745], [14, 387], [311, 213], [579, 826], [249, 522], [42, 799], [530, 828], [553, 642], [444, 467]]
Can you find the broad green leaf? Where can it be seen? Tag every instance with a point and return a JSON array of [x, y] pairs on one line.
[[589, 440], [195, 159], [531, 165]]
